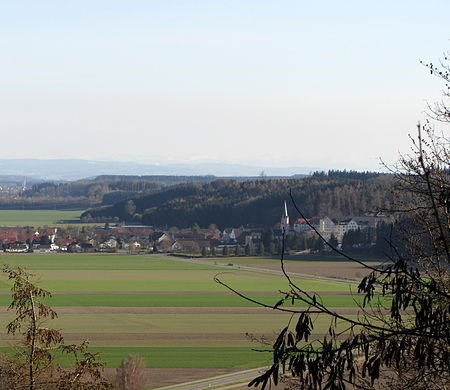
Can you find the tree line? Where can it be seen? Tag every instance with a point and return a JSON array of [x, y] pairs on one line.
[[256, 202]]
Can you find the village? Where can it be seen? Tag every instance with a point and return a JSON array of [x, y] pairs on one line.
[[300, 236]]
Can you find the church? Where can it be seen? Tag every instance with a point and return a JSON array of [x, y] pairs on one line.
[[284, 225]]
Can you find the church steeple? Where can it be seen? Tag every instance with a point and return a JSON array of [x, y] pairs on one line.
[[285, 219]]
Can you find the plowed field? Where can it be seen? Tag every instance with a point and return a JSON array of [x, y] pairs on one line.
[[168, 310]]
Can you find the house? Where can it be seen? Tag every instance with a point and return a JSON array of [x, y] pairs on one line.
[[162, 242], [159, 237], [17, 247], [49, 232], [136, 230], [327, 226], [45, 248], [109, 245], [190, 246], [8, 235], [74, 247], [135, 245], [229, 235], [302, 225], [343, 226], [87, 247], [252, 238], [65, 242], [184, 246]]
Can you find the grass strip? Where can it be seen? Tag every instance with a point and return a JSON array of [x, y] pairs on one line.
[[187, 300], [39, 218], [81, 261], [261, 285], [175, 357]]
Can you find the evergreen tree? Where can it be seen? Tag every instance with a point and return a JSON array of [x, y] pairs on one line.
[[333, 241], [267, 237], [129, 208], [195, 228], [45, 240], [278, 247], [261, 249], [318, 245], [225, 251], [237, 250]]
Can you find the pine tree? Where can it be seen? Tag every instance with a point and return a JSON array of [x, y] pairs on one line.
[[333, 241], [225, 251], [262, 250], [237, 250]]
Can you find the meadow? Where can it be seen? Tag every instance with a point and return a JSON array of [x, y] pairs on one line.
[[39, 217], [169, 310], [172, 300]]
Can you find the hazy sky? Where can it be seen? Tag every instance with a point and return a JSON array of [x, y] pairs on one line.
[[331, 84]]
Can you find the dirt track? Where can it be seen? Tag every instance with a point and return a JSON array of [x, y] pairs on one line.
[[159, 377], [329, 269]]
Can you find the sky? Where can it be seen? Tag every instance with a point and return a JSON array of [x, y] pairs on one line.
[[324, 84]]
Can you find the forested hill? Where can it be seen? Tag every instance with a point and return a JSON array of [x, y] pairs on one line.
[[259, 202]]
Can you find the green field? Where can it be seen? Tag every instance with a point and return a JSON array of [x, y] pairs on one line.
[[92, 273], [169, 310], [191, 357], [39, 218], [265, 284], [181, 300], [101, 262], [178, 357]]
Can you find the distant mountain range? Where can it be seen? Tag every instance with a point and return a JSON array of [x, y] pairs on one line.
[[74, 169]]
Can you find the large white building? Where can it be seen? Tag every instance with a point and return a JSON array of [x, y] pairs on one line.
[[327, 226]]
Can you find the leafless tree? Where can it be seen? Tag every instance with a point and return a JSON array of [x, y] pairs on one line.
[[131, 373], [32, 366], [402, 344]]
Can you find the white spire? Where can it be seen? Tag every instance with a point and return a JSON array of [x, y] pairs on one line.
[[285, 218], [285, 215]]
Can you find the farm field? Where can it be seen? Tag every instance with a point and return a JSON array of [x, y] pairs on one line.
[[330, 268], [39, 218], [174, 300], [169, 310]]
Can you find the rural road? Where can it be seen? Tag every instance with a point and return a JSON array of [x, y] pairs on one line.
[[266, 270], [217, 381], [242, 377]]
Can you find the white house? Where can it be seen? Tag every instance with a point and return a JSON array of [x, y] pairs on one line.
[[327, 226]]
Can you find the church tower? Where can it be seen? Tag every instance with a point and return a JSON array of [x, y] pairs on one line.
[[285, 219]]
